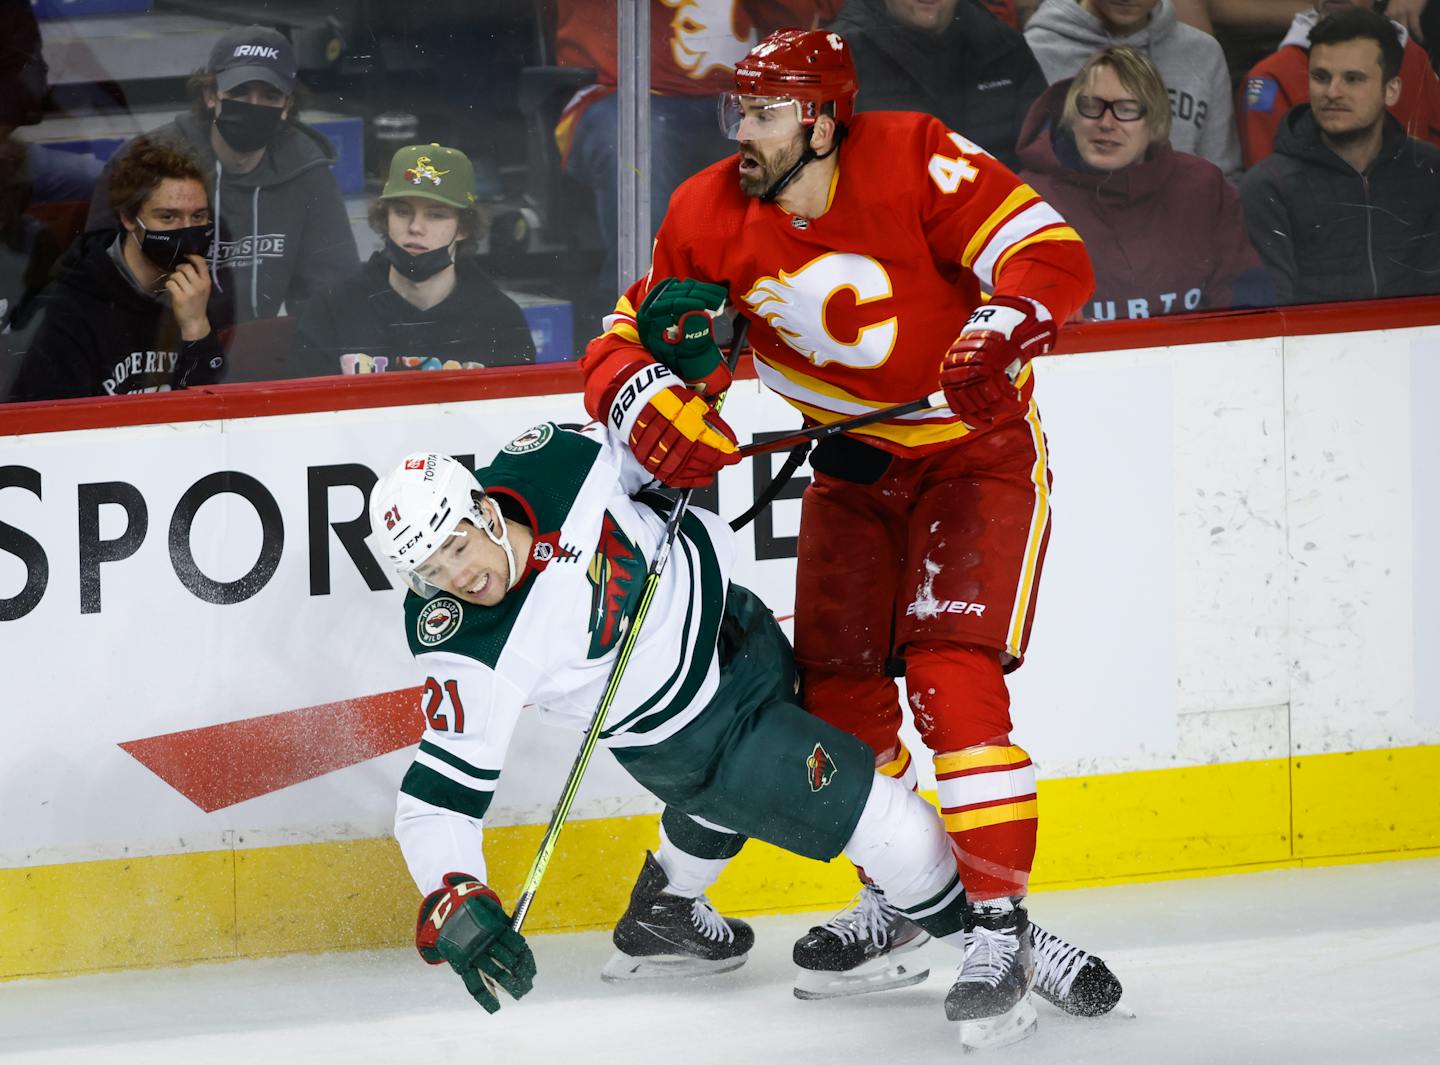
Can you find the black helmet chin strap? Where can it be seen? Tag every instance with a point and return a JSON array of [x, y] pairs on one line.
[[807, 156]]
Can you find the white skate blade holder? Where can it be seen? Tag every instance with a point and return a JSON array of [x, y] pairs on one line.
[[622, 966], [811, 985], [1017, 1023], [884, 973]]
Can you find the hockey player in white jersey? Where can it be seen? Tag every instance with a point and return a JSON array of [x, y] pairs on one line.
[[520, 594]]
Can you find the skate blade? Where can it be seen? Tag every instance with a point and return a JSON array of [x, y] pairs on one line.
[[879, 974], [622, 966], [1017, 1023]]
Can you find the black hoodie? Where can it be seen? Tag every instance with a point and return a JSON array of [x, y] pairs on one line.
[[1329, 233], [977, 76], [365, 326], [101, 336], [284, 231]]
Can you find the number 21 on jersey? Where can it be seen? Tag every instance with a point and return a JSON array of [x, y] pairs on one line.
[[433, 703], [949, 172]]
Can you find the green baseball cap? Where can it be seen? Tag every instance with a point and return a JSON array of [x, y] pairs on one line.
[[433, 172]]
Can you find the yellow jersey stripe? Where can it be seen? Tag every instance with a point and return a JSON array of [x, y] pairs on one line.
[[979, 758], [1039, 522], [1021, 196], [824, 388], [1058, 233], [896, 766], [965, 820]]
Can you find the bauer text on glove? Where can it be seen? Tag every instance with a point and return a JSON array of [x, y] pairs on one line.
[[672, 432]]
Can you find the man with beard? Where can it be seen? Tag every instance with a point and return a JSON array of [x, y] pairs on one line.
[[283, 232], [1348, 206], [1281, 81], [858, 247]]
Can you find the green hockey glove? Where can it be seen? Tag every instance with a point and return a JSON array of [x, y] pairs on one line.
[[674, 324], [463, 923]]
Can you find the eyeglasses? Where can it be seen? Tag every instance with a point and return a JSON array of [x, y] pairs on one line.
[[1123, 110]]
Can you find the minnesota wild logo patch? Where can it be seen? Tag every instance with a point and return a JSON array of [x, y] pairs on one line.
[[530, 440], [439, 620], [617, 575], [820, 767]]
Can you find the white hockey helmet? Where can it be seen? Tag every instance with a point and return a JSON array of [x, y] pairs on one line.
[[416, 507]]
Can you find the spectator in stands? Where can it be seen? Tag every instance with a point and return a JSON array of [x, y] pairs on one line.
[[51, 174], [950, 59], [284, 233], [131, 310], [1282, 80], [1063, 34], [1164, 229], [27, 254], [1348, 206], [423, 303], [694, 47], [1007, 11]]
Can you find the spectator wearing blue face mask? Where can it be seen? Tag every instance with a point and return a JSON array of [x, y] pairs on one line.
[[284, 235], [131, 309]]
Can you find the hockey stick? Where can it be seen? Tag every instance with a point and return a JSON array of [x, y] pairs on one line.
[[933, 401], [612, 685]]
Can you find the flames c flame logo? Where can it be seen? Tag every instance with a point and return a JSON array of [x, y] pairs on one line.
[[705, 36], [795, 305]]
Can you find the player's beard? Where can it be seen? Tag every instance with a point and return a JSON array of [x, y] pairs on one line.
[[772, 167]]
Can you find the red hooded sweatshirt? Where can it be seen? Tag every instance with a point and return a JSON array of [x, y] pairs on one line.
[[1166, 234]]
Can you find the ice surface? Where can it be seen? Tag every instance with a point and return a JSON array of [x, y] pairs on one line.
[[1307, 966]]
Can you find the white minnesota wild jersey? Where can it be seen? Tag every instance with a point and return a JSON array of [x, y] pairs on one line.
[[549, 645]]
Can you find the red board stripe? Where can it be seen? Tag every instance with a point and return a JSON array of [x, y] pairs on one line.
[[220, 765], [404, 389]]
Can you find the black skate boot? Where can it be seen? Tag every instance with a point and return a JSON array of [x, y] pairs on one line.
[[668, 935], [1072, 979], [991, 995], [858, 950]]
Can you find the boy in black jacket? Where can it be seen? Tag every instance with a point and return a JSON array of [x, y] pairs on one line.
[[131, 308], [422, 303]]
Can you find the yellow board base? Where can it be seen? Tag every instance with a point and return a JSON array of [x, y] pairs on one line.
[[1162, 824]]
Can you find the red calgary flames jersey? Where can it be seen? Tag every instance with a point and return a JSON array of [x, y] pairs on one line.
[[852, 311]]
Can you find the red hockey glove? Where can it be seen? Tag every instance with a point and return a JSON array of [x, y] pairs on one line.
[[673, 433], [464, 924], [674, 324], [978, 372], [680, 440]]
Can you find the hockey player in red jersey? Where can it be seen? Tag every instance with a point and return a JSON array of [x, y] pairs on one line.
[[875, 255]]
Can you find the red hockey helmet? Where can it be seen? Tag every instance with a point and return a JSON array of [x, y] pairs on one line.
[[812, 67]]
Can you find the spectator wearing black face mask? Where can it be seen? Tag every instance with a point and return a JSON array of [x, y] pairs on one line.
[[423, 302], [132, 309], [284, 233]]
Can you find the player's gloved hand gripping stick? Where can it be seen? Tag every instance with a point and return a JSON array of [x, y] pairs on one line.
[[617, 671]]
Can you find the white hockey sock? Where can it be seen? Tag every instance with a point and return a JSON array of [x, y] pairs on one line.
[[901, 844], [688, 876]]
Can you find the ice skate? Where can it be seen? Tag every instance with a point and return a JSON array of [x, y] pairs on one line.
[[664, 935], [991, 994], [1072, 979], [860, 949]]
